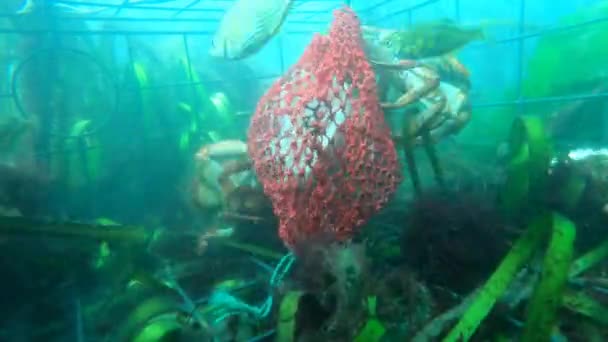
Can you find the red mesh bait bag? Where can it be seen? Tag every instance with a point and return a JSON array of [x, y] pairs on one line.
[[318, 139]]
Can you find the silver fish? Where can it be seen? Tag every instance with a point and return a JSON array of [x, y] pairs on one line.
[[247, 27]]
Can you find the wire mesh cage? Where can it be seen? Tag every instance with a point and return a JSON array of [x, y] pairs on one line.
[[128, 84], [505, 66], [194, 19], [135, 30]]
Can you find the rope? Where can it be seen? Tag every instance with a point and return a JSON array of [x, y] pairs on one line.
[[231, 305]]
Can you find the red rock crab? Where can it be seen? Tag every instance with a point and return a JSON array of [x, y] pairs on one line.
[[438, 84], [437, 88], [225, 182]]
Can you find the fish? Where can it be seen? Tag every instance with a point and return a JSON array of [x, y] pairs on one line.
[[247, 26], [431, 39]]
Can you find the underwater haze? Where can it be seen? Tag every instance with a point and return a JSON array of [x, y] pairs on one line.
[[303, 170]]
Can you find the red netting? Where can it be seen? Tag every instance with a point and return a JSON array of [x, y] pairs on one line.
[[318, 139]]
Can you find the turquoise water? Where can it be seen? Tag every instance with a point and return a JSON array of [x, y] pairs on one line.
[[152, 192]]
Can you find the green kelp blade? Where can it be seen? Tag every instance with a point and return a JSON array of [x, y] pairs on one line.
[[373, 330], [584, 305], [21, 226], [202, 108], [530, 157], [547, 296], [286, 325], [589, 259], [539, 147], [146, 97], [137, 321], [164, 329], [495, 287], [83, 154]]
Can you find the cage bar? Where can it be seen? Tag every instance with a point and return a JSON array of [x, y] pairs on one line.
[[520, 55], [520, 38], [174, 14]]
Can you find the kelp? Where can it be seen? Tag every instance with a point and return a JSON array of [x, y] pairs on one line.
[[373, 330], [20, 226], [149, 114], [550, 71], [151, 320], [197, 106], [530, 156], [83, 154], [498, 283], [527, 174], [586, 306], [579, 302], [433, 329], [589, 259], [546, 299], [286, 325]]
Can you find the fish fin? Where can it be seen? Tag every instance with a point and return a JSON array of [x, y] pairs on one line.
[[263, 20], [273, 20], [253, 40], [251, 37], [280, 14]]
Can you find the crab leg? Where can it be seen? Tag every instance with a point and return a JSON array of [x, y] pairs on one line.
[[231, 168], [431, 152], [411, 165], [407, 141], [454, 122], [420, 128], [422, 120], [451, 126], [416, 93]]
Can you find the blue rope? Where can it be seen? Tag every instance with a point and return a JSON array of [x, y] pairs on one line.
[[229, 305]]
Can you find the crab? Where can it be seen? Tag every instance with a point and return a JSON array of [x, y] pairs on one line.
[[433, 91], [438, 85], [225, 183], [224, 187]]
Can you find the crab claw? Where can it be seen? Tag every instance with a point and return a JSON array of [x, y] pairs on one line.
[[429, 83], [456, 65]]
